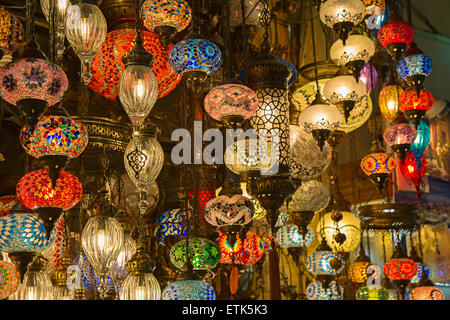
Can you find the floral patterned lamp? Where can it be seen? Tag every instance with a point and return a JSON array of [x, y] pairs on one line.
[[166, 17], [400, 135]]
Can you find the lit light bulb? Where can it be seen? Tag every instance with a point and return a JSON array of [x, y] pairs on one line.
[[140, 88], [84, 28], [101, 238], [391, 105]]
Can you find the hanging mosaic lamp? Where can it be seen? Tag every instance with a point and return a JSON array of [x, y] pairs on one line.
[[289, 237], [11, 33], [411, 170], [356, 52], [195, 59], [107, 67], [415, 106], [36, 192], [166, 17], [316, 291], [54, 139], [32, 83], [378, 165], [395, 36], [400, 135], [400, 269], [307, 161], [342, 16], [6, 203], [231, 103], [55, 251], [358, 270], [324, 262], [414, 69], [422, 271], [366, 293], [171, 223], [369, 76], [421, 142], [309, 198], [86, 32], [204, 254], [344, 92], [426, 293], [246, 252], [9, 279], [374, 7]]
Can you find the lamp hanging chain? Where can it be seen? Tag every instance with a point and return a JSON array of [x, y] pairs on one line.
[[384, 248], [51, 29], [244, 41], [265, 19], [314, 50]]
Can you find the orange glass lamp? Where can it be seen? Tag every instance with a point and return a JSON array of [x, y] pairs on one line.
[[378, 165], [415, 106]]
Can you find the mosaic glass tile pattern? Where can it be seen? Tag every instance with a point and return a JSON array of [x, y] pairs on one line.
[[203, 253], [189, 290]]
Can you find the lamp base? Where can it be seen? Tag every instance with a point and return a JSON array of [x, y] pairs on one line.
[[401, 150], [416, 82], [396, 50], [346, 106], [401, 285], [415, 115], [231, 232], [166, 33], [343, 29], [55, 165], [302, 219], [32, 108], [380, 180], [49, 216], [321, 135], [355, 67]]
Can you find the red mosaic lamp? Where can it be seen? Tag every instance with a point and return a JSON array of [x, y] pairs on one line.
[[36, 192], [246, 252], [415, 106], [107, 66], [411, 171], [395, 36], [400, 269]]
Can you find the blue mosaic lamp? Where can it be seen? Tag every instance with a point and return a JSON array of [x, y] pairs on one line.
[[288, 236], [316, 291], [421, 142], [195, 59], [414, 69], [293, 77], [171, 223], [422, 270], [324, 262]]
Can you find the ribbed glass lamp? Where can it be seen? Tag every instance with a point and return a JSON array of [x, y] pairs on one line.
[[388, 101]]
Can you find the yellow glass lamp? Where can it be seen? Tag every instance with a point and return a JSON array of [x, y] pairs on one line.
[[388, 101], [358, 270]]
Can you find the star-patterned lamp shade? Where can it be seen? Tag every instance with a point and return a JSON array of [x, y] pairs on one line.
[[248, 252], [107, 66], [224, 210], [203, 253], [195, 55], [32, 79], [288, 236], [6, 203], [324, 263], [421, 142], [389, 101], [189, 290], [316, 291], [171, 223], [307, 161], [24, 232], [54, 135], [231, 100], [35, 190], [11, 32], [426, 293], [166, 13], [416, 64], [9, 279], [400, 269], [395, 32], [366, 293], [373, 5], [422, 271]]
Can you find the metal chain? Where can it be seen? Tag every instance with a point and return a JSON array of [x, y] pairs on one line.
[[265, 19]]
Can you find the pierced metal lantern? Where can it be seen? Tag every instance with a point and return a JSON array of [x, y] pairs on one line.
[[195, 59], [316, 291], [395, 36], [107, 66], [307, 161], [253, 9], [166, 17], [342, 15], [229, 101], [356, 52], [414, 69], [204, 254], [11, 33], [344, 92], [378, 165], [246, 252], [415, 106], [189, 290]]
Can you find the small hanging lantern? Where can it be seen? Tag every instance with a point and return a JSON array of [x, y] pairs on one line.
[[400, 135], [414, 69], [395, 36], [415, 106], [411, 170]]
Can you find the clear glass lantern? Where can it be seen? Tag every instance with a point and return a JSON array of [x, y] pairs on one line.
[[60, 20], [143, 158], [140, 287], [85, 30], [138, 92], [102, 240], [118, 271], [307, 161], [344, 92], [342, 15], [316, 291]]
